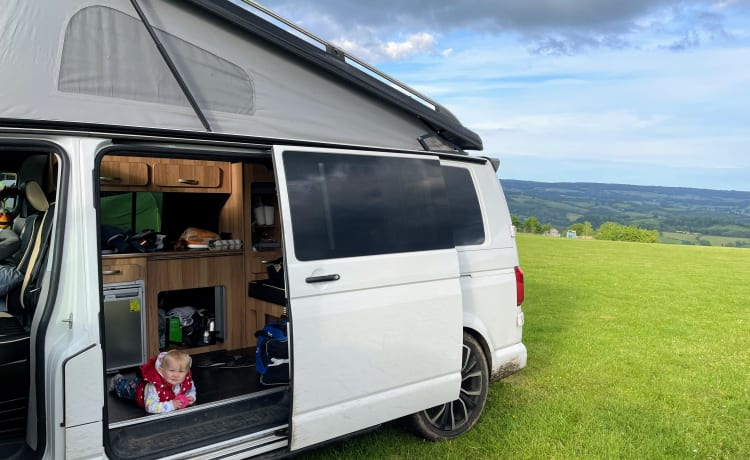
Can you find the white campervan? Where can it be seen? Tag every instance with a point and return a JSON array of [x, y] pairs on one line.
[[188, 175]]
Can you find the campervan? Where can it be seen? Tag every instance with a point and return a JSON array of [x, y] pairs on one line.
[[192, 174]]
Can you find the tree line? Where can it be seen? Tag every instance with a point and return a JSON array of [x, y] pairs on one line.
[[607, 231]]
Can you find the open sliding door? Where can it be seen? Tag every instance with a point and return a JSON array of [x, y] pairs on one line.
[[373, 289]]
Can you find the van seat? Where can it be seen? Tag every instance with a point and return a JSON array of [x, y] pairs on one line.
[[34, 235]]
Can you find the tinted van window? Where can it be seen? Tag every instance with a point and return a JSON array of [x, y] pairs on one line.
[[466, 215], [345, 205]]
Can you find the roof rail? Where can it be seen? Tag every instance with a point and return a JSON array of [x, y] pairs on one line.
[[343, 56]]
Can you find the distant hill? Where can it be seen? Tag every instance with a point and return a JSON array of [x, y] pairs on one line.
[[667, 209]]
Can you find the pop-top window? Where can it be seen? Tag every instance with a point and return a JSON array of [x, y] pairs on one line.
[[466, 215], [346, 205], [109, 53]]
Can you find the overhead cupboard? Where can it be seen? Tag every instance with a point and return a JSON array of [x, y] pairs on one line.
[[124, 173]]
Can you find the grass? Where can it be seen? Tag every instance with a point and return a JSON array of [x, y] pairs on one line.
[[635, 351]]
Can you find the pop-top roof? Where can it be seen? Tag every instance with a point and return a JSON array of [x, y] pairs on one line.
[[201, 65]]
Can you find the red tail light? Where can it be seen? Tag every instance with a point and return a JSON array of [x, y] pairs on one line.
[[519, 286]]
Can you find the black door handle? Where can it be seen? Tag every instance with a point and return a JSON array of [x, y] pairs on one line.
[[323, 278]]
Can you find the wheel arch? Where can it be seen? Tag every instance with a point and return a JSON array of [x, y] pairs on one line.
[[481, 338]]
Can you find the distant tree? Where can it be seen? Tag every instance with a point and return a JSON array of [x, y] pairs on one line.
[[616, 232], [515, 222], [582, 229], [546, 228], [577, 227], [588, 230], [609, 231], [532, 225]]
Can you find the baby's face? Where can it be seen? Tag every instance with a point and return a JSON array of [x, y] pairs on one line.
[[174, 373]]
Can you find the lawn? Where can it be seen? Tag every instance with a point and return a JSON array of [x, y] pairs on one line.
[[636, 351]]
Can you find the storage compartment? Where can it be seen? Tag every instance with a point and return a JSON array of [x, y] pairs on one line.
[[263, 290], [263, 216], [192, 317]]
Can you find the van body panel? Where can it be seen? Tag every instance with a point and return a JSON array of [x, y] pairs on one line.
[[483, 297], [488, 283], [84, 441], [358, 414], [82, 393], [366, 340]]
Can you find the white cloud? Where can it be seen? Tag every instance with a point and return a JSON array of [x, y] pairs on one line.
[[415, 43]]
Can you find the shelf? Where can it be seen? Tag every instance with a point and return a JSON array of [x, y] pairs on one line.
[[176, 254]]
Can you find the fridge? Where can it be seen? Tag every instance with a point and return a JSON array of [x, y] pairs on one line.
[[124, 325]]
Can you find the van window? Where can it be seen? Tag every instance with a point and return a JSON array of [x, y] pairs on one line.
[[346, 205], [466, 215], [101, 65]]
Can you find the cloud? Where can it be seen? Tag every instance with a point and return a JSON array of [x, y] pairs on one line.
[[548, 27], [414, 43]]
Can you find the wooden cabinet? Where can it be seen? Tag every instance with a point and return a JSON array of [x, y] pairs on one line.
[[144, 174], [172, 272], [192, 176], [124, 173], [116, 269]]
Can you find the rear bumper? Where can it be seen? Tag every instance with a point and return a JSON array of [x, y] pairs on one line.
[[507, 361]]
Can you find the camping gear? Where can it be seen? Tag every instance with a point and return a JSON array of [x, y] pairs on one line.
[[272, 353]]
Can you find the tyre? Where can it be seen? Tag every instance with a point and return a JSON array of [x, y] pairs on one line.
[[452, 419]]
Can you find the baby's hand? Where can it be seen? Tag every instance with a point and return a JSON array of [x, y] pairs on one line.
[[191, 400], [181, 401]]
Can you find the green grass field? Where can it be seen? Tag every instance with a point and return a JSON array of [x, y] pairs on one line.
[[636, 351]]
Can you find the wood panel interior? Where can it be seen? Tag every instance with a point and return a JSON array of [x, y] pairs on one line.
[[225, 188]]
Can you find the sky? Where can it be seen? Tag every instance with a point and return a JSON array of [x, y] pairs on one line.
[[644, 92]]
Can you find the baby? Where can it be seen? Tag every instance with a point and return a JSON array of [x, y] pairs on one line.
[[167, 383]]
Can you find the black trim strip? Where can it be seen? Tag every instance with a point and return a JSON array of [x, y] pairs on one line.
[[171, 66], [127, 135]]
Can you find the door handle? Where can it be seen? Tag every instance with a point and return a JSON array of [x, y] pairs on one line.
[[322, 278]]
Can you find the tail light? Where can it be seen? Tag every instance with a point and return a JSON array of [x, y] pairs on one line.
[[519, 286]]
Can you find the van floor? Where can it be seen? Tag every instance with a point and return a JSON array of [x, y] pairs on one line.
[[218, 376], [231, 402]]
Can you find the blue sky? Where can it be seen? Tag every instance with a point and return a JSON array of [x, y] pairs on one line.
[[646, 92]]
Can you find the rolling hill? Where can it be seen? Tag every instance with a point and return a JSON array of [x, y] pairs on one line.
[[672, 210]]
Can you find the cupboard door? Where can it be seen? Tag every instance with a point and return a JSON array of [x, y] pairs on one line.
[[188, 176], [120, 173], [118, 270]]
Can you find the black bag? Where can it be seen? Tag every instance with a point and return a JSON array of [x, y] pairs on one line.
[[275, 270], [194, 334], [121, 240], [272, 353]]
